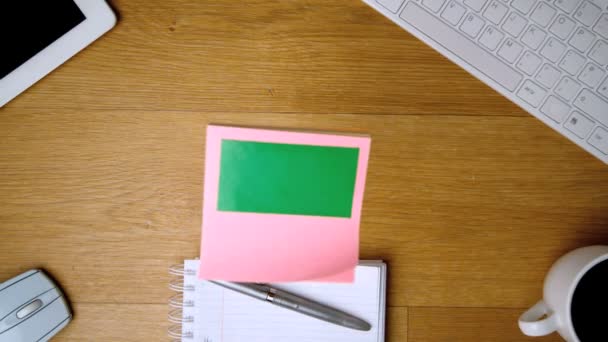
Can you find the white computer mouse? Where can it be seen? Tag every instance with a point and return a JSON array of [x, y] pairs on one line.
[[32, 308]]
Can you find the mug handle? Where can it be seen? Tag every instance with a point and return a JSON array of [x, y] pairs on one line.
[[531, 324]]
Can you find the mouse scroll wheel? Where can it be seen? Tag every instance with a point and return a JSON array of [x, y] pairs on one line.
[[29, 309]]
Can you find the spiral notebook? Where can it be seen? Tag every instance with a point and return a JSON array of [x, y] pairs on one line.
[[204, 312]]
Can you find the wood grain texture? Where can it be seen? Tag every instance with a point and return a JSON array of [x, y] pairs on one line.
[[257, 56], [396, 324], [469, 199], [107, 200], [468, 324], [116, 322]]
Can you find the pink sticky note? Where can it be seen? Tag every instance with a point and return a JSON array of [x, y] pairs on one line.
[[262, 247]]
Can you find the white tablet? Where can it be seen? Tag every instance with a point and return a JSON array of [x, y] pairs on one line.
[[36, 36]]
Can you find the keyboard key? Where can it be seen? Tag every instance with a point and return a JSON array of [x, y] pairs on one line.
[[567, 88], [599, 140], [472, 25], [523, 6], [533, 37], [562, 27], [514, 24], [582, 39], [579, 124], [567, 5], [555, 109], [591, 75], [599, 53], [453, 12], [453, 41], [433, 5], [603, 89], [529, 63], [602, 26], [491, 37], [548, 76], [543, 14], [553, 50], [593, 106], [531, 93], [495, 12], [510, 50], [476, 5], [587, 13], [572, 62], [391, 5], [603, 4]]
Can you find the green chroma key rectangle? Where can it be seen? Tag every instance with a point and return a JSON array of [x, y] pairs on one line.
[[275, 178]]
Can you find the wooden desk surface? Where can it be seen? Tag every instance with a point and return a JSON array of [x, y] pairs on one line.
[[469, 198]]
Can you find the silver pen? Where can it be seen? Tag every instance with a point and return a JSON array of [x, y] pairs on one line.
[[296, 303]]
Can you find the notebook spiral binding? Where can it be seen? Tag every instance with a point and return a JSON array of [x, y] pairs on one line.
[[177, 303]]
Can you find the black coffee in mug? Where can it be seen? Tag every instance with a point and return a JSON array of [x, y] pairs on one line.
[[589, 305]]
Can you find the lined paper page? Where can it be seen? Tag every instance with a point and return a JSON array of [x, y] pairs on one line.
[[222, 315]]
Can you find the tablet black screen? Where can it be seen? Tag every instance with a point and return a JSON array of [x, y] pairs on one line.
[[28, 26]]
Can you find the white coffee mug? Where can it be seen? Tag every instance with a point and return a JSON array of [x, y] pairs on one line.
[[553, 312]]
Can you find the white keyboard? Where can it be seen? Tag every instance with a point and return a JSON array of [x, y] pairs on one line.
[[549, 57]]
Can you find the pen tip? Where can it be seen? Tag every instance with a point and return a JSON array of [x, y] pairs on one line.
[[357, 324]]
